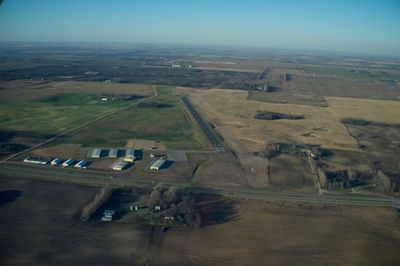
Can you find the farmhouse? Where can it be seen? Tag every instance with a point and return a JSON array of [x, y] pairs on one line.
[[157, 165], [68, 162], [96, 153], [120, 165], [56, 161]]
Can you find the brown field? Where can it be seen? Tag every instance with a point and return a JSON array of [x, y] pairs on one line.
[[262, 233], [41, 226], [290, 98], [232, 115], [333, 86], [30, 90], [288, 172], [366, 109]]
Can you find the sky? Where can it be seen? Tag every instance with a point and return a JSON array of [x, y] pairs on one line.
[[358, 26]]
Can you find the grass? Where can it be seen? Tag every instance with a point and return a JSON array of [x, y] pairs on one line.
[[167, 124], [55, 114]]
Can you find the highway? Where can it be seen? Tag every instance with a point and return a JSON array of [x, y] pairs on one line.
[[101, 178], [211, 136]]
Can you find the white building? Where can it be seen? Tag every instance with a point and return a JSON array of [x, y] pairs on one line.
[[157, 165], [56, 161], [68, 162], [35, 160], [82, 164], [119, 165], [113, 153], [96, 153]]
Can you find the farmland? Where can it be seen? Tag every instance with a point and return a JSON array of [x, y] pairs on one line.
[[168, 124], [252, 234], [305, 170]]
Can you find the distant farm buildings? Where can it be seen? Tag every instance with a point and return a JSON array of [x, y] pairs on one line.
[[56, 161], [113, 153], [82, 164], [158, 164], [120, 165], [68, 163], [130, 156], [35, 160], [96, 153]]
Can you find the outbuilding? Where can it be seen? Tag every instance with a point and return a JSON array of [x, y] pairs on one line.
[[130, 156], [68, 162], [157, 165], [120, 165], [96, 153], [56, 161], [113, 153], [82, 164]]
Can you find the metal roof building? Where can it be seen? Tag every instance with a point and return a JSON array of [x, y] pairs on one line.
[[119, 165], [157, 165], [82, 164], [113, 153], [96, 153], [129, 155], [56, 161], [68, 162]]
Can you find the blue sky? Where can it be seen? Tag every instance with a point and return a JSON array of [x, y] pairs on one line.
[[363, 26]]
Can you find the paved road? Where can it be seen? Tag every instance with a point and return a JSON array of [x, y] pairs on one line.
[[211, 136], [79, 127], [99, 178]]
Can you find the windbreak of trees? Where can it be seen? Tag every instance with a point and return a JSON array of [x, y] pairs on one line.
[[179, 203], [267, 115]]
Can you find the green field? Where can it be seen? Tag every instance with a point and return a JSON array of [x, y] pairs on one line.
[[168, 124], [54, 114]]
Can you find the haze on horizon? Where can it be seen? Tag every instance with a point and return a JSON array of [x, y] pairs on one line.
[[347, 26]]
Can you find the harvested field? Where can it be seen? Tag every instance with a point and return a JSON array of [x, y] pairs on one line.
[[366, 109], [233, 116], [274, 234], [289, 172], [41, 226], [290, 98], [340, 87]]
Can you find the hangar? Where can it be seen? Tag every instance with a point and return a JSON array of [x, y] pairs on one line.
[[157, 165]]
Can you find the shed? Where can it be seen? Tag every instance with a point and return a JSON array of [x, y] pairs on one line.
[[56, 161], [96, 153], [82, 164], [120, 165], [157, 165], [130, 155], [68, 162], [113, 153]]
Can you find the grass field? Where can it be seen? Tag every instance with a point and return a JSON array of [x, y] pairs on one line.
[[168, 124], [54, 114]]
